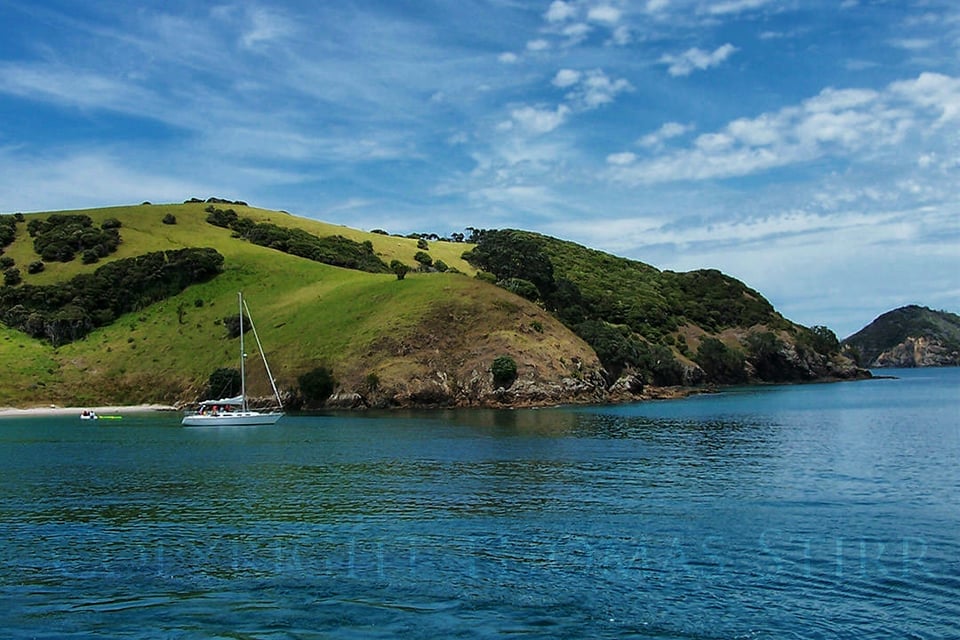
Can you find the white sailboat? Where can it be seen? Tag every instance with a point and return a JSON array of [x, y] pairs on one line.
[[234, 412]]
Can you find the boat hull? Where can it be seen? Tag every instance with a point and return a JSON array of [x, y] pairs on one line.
[[230, 419]]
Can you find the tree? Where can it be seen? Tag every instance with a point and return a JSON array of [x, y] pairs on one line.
[[399, 268], [423, 258], [521, 287], [504, 370], [12, 277], [316, 385], [223, 383], [721, 363]]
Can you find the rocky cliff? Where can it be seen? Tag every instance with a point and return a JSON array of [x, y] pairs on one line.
[[911, 336]]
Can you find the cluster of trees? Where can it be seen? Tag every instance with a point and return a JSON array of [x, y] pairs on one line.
[[628, 311], [60, 237], [333, 250], [8, 228], [68, 311]]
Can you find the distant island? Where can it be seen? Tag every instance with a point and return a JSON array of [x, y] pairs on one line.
[[133, 305], [911, 336]]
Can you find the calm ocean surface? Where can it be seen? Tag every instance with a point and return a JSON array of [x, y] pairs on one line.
[[816, 511]]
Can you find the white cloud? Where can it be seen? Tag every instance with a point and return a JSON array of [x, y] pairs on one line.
[[508, 58], [560, 11], [538, 45], [622, 158], [605, 14], [575, 32], [621, 35], [836, 123], [732, 6], [566, 78], [933, 91], [696, 59], [540, 120], [265, 26], [665, 132], [592, 89]]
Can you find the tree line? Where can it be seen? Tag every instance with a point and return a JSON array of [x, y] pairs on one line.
[[336, 251], [68, 311]]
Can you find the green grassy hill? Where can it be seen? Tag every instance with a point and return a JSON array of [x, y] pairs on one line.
[[429, 337], [579, 325]]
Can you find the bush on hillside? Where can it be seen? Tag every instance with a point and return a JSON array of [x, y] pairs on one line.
[[223, 383], [68, 311], [399, 269], [720, 363], [521, 287], [60, 237], [316, 386], [12, 277], [504, 370], [333, 250], [8, 229], [169, 219]]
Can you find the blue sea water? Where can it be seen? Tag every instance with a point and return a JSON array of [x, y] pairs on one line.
[[814, 511]]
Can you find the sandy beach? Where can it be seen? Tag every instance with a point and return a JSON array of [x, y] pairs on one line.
[[54, 410]]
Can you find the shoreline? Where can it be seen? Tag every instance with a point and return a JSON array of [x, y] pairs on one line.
[[56, 410]]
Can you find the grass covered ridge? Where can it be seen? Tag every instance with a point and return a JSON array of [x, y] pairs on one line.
[[428, 327]]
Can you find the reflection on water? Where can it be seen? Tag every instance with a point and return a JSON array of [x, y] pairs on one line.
[[816, 511]]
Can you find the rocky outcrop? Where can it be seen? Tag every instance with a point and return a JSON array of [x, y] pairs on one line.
[[918, 352], [911, 336]]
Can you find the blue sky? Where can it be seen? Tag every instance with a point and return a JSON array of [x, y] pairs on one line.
[[809, 148]]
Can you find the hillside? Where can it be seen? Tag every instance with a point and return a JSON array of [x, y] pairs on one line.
[[911, 336], [427, 339], [660, 327], [137, 315]]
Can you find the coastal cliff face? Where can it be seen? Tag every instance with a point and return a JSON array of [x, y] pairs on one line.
[[911, 336], [918, 352]]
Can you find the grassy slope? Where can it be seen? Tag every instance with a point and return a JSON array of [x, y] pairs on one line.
[[306, 313]]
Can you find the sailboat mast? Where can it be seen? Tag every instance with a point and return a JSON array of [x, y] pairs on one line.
[[243, 356]]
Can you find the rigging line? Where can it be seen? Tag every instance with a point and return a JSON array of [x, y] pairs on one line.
[[263, 357]]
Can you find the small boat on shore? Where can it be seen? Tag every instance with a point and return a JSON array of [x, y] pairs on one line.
[[87, 414]]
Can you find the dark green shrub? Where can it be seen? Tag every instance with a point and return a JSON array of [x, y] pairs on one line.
[[232, 324], [223, 383], [111, 223], [521, 287], [422, 244], [8, 229], [61, 236], [6, 262], [423, 258], [441, 266], [316, 386], [169, 219], [36, 266], [504, 370], [12, 277], [400, 269], [721, 363]]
